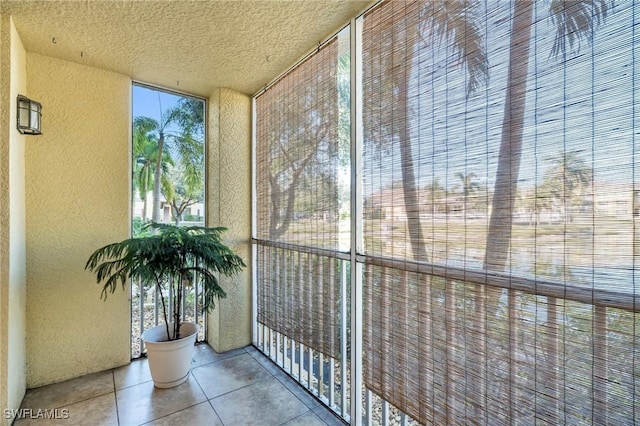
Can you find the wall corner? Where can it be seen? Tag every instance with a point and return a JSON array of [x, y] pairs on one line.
[[230, 206]]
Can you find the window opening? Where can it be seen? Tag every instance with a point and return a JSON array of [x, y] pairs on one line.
[[168, 186]]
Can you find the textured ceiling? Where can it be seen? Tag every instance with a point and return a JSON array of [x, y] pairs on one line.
[[190, 46]]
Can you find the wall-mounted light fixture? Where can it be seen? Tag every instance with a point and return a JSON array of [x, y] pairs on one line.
[[29, 114]]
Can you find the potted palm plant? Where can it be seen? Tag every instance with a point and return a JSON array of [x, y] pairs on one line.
[[171, 258]]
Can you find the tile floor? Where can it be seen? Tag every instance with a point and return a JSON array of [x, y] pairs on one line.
[[239, 387]]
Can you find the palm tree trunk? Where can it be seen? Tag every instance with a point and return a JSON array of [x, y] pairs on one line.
[[144, 208], [409, 185], [156, 181], [410, 190], [504, 196], [499, 232]]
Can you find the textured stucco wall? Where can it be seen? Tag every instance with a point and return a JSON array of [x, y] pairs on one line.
[[12, 223], [5, 81], [77, 177], [17, 250], [229, 202]]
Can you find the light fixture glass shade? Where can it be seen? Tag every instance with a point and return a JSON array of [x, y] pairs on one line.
[[29, 113]]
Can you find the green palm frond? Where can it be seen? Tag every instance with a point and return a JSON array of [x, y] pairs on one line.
[[144, 129], [171, 256], [191, 151], [454, 22], [190, 115], [168, 189], [575, 20]]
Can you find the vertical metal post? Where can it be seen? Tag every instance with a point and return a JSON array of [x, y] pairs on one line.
[[300, 361], [268, 340], [155, 305], [286, 352], [310, 369], [204, 318], [513, 354], [356, 214], [254, 292], [254, 228], [258, 334], [343, 338], [551, 367], [385, 412], [278, 349], [182, 304], [141, 298], [332, 382], [320, 375], [196, 300], [368, 409], [600, 359]]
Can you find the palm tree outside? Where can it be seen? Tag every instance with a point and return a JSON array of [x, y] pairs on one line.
[[145, 157], [170, 147], [468, 186], [159, 128], [575, 22], [444, 22], [567, 179]]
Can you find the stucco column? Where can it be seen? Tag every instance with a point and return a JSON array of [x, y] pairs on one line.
[[229, 205], [12, 222]]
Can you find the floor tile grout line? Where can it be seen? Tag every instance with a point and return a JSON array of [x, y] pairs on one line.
[[235, 356], [290, 379], [231, 391], [115, 395], [175, 412], [78, 401], [126, 367], [301, 415], [210, 400], [218, 360], [199, 385], [215, 411], [329, 411], [258, 384], [136, 384], [298, 385]]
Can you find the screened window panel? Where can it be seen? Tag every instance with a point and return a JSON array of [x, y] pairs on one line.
[[500, 210], [301, 141], [428, 352], [298, 153], [299, 296]]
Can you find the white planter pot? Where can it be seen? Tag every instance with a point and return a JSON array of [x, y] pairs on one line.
[[170, 361]]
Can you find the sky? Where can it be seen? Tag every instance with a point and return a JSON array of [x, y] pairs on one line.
[[592, 111], [149, 102]]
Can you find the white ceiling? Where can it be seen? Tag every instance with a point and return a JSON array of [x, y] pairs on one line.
[[186, 45]]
